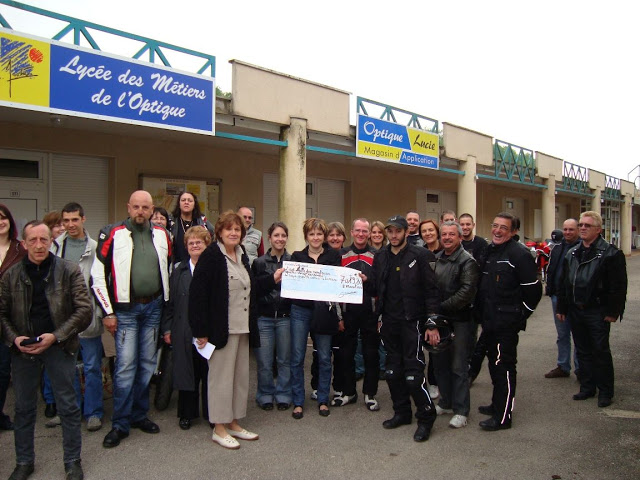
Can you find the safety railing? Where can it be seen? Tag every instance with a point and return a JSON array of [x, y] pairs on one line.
[[575, 179], [611, 188], [372, 108], [153, 49], [514, 163]]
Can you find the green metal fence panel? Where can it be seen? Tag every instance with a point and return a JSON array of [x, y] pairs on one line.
[[575, 179], [514, 163], [611, 189], [82, 29], [372, 108]]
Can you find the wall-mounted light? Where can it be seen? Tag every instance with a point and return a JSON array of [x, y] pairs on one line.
[[57, 120]]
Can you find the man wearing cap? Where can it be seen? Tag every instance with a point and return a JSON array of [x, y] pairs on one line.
[[405, 285]]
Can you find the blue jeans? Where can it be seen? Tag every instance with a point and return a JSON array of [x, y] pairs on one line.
[[564, 340], [300, 319], [136, 352], [451, 368], [47, 391], [25, 372], [323, 346], [275, 334], [91, 349]]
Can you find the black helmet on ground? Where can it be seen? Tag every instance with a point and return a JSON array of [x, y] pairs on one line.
[[445, 328]]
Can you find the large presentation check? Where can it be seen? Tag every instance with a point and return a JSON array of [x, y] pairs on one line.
[[309, 281]]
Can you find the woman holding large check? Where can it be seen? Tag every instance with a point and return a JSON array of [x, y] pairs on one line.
[[317, 251]]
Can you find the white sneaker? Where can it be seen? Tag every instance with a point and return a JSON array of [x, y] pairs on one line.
[[339, 401], [371, 403], [442, 411], [314, 395], [434, 392], [458, 421]]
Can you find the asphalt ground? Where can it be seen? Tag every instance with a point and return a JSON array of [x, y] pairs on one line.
[[553, 437]]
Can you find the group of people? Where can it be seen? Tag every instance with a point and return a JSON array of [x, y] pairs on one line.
[[213, 293]]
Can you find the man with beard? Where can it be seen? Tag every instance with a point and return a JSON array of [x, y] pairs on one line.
[[405, 285], [131, 282]]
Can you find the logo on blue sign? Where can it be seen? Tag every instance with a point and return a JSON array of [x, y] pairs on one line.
[[382, 132]]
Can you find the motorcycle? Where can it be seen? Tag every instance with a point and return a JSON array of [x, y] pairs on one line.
[[540, 252]]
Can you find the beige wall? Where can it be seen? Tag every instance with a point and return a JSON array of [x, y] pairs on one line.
[[241, 172], [371, 191], [548, 165], [460, 142], [276, 97], [491, 201]]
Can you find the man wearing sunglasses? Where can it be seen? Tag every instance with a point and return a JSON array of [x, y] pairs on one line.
[[508, 293], [592, 295]]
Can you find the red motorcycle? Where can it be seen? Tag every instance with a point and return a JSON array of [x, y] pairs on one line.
[[540, 252]]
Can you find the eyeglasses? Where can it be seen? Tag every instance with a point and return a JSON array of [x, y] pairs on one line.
[[586, 225], [497, 226], [247, 217], [195, 243]]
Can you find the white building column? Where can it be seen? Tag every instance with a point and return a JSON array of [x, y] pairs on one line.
[[467, 188], [549, 207], [625, 225], [596, 203], [292, 192]]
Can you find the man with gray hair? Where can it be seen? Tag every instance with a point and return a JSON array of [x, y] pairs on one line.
[[457, 278], [592, 295]]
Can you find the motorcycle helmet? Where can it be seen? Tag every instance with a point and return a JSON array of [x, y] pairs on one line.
[[557, 236], [445, 328]]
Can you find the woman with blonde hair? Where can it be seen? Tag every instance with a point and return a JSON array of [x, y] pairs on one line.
[[378, 239]]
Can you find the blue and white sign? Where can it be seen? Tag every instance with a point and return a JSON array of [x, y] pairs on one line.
[[381, 140], [310, 281], [46, 75]]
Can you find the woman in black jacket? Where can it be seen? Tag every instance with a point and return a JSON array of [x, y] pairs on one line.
[[317, 251], [186, 215], [274, 323], [190, 369], [222, 311]]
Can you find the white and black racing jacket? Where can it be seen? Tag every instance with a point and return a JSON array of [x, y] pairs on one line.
[[111, 270]]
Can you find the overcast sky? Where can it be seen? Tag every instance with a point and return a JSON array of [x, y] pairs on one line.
[[559, 77]]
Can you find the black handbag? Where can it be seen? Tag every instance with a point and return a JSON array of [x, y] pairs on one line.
[[324, 320]]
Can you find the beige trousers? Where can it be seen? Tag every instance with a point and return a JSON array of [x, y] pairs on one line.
[[228, 381]]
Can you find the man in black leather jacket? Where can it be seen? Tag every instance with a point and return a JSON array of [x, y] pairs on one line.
[[592, 295], [44, 297], [457, 275], [405, 285], [508, 293], [554, 272]]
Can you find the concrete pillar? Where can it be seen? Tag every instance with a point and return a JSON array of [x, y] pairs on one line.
[[467, 198], [596, 203], [292, 196], [549, 207], [625, 225]]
